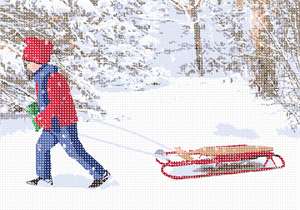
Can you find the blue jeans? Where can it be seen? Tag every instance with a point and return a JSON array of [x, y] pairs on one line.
[[67, 136]]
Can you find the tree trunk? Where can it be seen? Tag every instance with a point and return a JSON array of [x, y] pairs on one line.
[[197, 39], [298, 24], [265, 73], [239, 4]]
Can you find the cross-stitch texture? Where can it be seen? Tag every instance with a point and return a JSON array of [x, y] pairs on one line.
[[157, 104]]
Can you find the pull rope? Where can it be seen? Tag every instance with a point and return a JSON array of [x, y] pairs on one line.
[[119, 145], [126, 147], [135, 133]]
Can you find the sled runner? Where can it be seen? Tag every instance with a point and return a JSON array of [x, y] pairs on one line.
[[217, 160]]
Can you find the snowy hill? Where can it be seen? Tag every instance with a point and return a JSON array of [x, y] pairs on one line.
[[188, 112]]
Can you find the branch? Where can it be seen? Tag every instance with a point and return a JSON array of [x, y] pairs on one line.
[[3, 45], [197, 3], [239, 4], [17, 88], [178, 5]]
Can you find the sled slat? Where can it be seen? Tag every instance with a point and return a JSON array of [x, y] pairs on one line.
[[222, 150]]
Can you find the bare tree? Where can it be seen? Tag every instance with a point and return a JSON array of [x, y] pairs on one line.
[[276, 37], [264, 66], [296, 19], [191, 10]]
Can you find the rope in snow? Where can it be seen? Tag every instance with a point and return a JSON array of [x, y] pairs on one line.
[[134, 133], [120, 146], [126, 147]]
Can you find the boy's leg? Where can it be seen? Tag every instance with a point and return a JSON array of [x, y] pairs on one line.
[[68, 138], [43, 161]]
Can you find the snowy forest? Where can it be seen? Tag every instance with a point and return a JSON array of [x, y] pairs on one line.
[[167, 93], [123, 45]]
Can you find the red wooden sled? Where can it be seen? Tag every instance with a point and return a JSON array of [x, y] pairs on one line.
[[220, 160]]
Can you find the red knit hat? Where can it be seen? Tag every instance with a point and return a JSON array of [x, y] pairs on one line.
[[37, 50]]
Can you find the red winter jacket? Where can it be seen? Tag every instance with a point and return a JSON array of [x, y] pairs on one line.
[[60, 104]]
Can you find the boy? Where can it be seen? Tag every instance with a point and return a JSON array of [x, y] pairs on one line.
[[57, 115]]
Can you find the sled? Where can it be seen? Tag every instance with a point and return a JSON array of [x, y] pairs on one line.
[[217, 160]]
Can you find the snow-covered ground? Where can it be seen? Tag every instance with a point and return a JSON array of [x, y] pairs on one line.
[[189, 112]]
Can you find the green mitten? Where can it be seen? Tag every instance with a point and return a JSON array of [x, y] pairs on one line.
[[32, 110]]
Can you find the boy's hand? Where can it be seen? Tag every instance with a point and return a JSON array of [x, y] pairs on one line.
[[43, 120]]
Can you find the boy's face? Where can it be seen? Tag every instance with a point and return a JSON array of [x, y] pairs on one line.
[[31, 68]]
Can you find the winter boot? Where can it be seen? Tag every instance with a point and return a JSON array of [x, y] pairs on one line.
[[40, 181], [99, 182]]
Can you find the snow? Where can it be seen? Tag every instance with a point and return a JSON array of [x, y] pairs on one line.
[[188, 112], [86, 5], [3, 2], [53, 6]]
